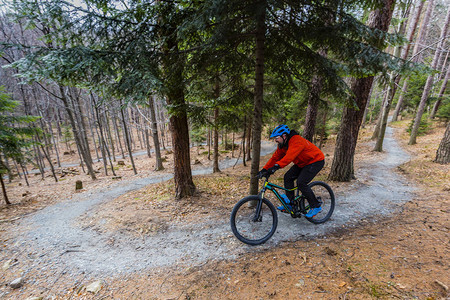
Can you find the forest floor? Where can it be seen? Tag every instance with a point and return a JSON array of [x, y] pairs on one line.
[[128, 239]]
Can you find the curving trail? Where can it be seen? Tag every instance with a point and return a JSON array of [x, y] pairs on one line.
[[54, 232]]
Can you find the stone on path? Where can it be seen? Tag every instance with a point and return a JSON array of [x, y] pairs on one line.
[[95, 287], [16, 283]]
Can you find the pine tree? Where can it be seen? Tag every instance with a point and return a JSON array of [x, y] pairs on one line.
[[15, 137], [342, 168]]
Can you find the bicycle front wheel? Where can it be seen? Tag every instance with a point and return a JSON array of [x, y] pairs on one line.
[[251, 227], [325, 196]]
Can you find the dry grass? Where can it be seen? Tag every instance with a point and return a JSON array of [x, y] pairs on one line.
[[421, 167]]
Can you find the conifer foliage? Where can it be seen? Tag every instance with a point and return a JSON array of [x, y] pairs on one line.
[[213, 56], [15, 136]]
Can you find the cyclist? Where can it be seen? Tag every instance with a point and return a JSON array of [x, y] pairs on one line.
[[308, 160]]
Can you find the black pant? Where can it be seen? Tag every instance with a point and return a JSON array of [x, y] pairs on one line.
[[304, 176]]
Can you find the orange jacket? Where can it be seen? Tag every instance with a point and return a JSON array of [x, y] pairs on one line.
[[299, 150]]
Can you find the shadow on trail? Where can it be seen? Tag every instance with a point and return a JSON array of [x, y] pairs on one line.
[[55, 233]]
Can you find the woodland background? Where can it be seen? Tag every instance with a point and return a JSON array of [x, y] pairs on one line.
[[101, 80]]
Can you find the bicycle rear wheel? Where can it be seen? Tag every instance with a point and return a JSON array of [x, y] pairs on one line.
[[250, 228], [325, 196]]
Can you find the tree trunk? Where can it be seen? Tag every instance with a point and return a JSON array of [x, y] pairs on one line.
[[38, 157], [116, 130], [259, 94], [315, 89], [313, 107], [103, 145], [47, 156], [441, 94], [249, 139], [76, 134], [323, 130], [127, 138], [173, 64], [342, 168], [25, 173], [376, 131], [55, 144], [216, 142], [423, 32], [366, 109], [394, 79], [81, 117], [429, 84], [405, 53], [109, 134], [154, 126], [5, 195], [443, 152], [232, 145], [94, 127], [209, 140], [216, 128], [243, 142], [385, 112]]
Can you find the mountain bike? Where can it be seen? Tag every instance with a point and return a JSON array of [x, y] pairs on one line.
[[254, 219]]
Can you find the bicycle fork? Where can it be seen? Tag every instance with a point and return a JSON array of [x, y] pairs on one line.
[[258, 217]]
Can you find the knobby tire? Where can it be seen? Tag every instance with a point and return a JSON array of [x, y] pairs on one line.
[[325, 193], [244, 226]]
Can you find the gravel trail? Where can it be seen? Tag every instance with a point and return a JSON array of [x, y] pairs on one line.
[[54, 232]]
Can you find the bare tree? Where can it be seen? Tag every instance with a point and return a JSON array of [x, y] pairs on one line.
[[154, 126], [392, 88], [440, 95], [429, 83], [419, 41]]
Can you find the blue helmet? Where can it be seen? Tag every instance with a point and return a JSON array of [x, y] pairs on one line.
[[280, 130]]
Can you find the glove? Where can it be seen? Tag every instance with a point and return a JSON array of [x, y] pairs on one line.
[[262, 173], [273, 169]]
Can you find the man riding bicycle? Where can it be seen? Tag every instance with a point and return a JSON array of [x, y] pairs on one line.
[[308, 160]]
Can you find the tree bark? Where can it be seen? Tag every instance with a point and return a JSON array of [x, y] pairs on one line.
[[216, 128], [127, 138], [243, 142], [103, 145], [366, 109], [249, 139], [313, 107], [116, 130], [5, 195], [109, 134], [259, 94], [154, 126], [443, 152], [173, 63], [80, 115], [342, 168], [216, 142], [441, 94], [76, 134]]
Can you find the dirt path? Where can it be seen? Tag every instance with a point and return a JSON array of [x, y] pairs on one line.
[[55, 235]]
